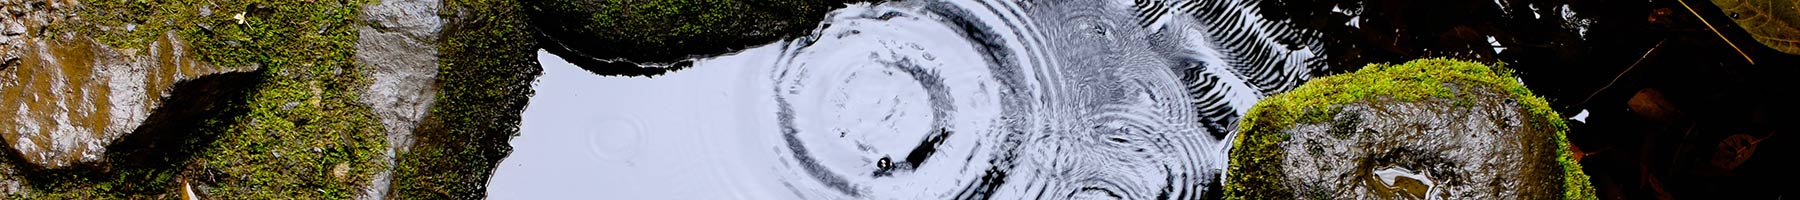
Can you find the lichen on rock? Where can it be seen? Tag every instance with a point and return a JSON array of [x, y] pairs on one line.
[[1431, 128]]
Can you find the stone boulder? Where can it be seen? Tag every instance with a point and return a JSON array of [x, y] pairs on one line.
[[64, 97], [397, 46], [1432, 128]]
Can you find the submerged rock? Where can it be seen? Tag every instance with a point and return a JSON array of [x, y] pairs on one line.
[[1433, 128], [64, 97]]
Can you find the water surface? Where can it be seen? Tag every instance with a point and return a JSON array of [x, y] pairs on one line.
[[907, 100]]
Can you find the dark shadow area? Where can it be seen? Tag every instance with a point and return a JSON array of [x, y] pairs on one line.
[[9, 63], [1677, 144], [665, 32], [189, 120], [602, 67]]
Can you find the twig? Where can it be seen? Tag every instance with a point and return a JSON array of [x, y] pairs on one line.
[[1716, 31], [1634, 64]]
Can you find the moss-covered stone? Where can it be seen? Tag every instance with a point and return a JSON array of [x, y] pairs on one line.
[[487, 61], [595, 34], [295, 131], [1258, 154]]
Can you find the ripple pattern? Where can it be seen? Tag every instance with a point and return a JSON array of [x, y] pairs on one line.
[[1057, 99]]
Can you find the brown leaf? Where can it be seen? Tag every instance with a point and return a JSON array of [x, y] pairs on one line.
[[1650, 104], [1772, 22], [1734, 150]]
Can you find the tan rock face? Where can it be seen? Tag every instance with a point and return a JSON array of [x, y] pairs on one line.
[[64, 97]]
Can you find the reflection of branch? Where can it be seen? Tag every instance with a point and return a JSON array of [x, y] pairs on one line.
[[1716, 31], [1615, 79]]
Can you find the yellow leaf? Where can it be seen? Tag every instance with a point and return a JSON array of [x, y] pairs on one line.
[[1771, 22]]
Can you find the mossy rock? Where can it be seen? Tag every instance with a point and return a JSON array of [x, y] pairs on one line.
[[487, 60], [611, 37], [1431, 128], [290, 128]]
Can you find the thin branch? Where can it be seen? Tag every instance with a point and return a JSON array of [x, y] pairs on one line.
[[1716, 31], [1634, 65]]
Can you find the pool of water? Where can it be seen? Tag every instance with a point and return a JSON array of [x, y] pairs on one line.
[[917, 100], [685, 136]]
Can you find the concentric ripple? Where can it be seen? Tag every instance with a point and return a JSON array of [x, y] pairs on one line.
[[976, 100], [953, 99], [878, 97]]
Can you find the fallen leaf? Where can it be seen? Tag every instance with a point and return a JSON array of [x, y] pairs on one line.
[[1734, 150], [1650, 104], [1771, 22]]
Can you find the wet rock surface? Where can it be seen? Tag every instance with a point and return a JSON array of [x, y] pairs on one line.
[[67, 96], [397, 47], [1426, 149], [613, 37], [1426, 129], [290, 129]]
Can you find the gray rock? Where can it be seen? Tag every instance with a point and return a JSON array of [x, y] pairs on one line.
[[397, 47]]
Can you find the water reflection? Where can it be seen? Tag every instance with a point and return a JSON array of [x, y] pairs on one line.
[[920, 100]]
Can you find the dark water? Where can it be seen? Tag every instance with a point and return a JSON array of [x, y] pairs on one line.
[[1711, 91]]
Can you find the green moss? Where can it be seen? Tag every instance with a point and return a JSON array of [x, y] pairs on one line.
[[488, 62], [324, 146], [1256, 177], [668, 30]]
